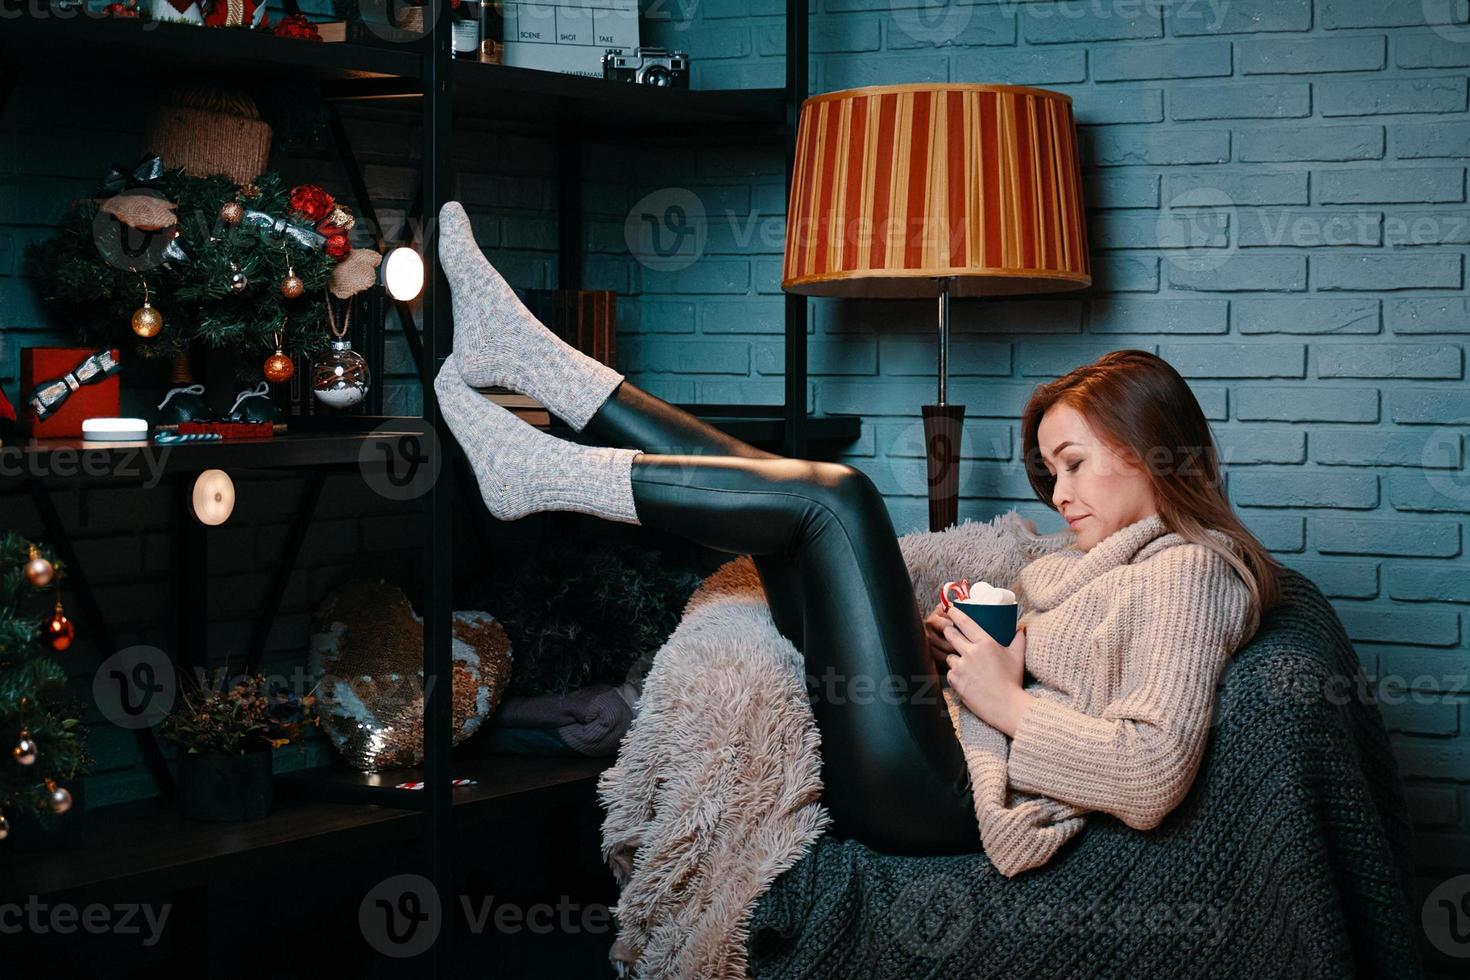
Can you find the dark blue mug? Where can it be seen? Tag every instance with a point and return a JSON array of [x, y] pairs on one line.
[[998, 621]]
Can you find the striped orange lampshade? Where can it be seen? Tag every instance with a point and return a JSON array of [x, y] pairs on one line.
[[894, 185]]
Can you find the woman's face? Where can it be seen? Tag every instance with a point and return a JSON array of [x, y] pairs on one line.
[[1097, 490]]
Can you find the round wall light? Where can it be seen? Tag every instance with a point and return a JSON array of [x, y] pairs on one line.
[[214, 497], [403, 273]]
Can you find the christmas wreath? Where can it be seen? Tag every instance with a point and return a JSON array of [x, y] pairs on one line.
[[184, 260]]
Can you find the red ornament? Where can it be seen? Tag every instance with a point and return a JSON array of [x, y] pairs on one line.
[[297, 26], [58, 630], [338, 247], [311, 201], [6, 411]]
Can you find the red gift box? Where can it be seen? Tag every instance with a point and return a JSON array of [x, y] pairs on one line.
[[100, 399], [230, 430]]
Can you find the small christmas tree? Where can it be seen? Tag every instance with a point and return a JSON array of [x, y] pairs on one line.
[[41, 745]]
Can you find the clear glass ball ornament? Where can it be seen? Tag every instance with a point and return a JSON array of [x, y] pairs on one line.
[[340, 379]]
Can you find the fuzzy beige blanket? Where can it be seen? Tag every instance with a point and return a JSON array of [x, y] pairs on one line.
[[717, 785]]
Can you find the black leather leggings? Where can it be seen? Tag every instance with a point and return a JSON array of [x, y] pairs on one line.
[[820, 536]]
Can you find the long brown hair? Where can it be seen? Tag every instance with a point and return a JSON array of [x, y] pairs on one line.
[[1140, 406]]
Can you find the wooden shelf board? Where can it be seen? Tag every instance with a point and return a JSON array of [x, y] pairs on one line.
[[147, 844], [142, 48]]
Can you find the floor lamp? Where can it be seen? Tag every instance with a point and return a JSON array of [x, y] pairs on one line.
[[936, 190]]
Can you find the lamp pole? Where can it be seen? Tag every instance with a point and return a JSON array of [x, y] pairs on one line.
[[944, 426]]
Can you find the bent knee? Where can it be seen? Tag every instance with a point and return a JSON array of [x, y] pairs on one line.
[[841, 482]]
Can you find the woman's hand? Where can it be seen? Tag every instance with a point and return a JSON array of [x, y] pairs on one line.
[[986, 675], [934, 626]]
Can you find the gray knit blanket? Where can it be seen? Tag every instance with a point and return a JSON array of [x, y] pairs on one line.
[[1289, 857]]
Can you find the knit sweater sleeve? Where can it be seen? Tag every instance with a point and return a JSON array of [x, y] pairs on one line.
[[1138, 759]]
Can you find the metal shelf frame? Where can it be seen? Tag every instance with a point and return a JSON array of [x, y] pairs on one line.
[[571, 110]]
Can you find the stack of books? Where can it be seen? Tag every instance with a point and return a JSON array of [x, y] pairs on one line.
[[524, 406]]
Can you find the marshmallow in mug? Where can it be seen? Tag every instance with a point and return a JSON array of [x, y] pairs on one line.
[[981, 593], [985, 594]]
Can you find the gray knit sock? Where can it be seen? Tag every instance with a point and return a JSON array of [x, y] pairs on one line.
[[522, 470], [497, 341]]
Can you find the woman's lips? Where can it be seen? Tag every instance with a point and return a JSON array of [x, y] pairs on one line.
[[1072, 521]]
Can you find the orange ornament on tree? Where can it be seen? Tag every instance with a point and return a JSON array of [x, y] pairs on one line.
[[278, 367]]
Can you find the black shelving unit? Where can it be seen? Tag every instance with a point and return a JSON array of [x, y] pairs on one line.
[[145, 841]]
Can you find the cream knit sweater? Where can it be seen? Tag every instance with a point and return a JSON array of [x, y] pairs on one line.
[[1126, 643]]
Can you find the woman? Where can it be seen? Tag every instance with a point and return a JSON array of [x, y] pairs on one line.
[[821, 538]]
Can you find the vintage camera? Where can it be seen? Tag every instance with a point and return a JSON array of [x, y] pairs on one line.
[[647, 66]]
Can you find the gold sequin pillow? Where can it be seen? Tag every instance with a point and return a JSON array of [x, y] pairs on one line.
[[367, 659]]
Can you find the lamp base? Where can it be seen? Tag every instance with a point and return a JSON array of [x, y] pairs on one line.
[[943, 432]]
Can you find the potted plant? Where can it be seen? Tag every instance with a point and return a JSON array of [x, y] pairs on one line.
[[225, 737]]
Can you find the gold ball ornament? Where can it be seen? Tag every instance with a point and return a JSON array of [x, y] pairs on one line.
[[39, 571], [4, 827], [292, 287], [279, 368], [57, 797], [232, 212], [25, 749], [147, 322]]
